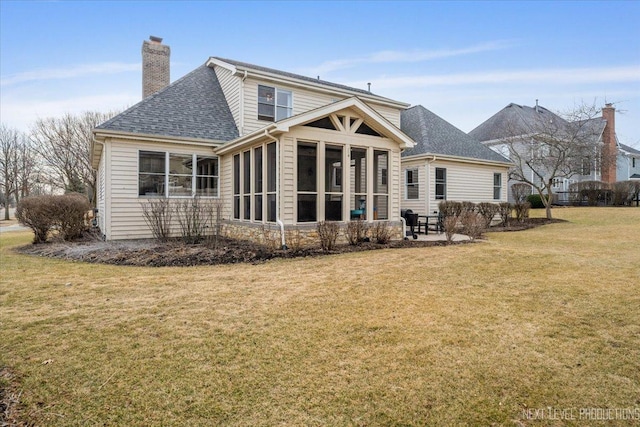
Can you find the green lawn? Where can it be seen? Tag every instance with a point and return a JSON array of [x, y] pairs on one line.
[[491, 333]]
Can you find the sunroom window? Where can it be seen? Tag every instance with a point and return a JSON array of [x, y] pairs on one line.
[[173, 175]]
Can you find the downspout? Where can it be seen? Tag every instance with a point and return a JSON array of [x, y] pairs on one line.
[[96, 211], [242, 102], [428, 184], [278, 220]]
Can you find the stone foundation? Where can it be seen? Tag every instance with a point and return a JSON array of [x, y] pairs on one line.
[[296, 236]]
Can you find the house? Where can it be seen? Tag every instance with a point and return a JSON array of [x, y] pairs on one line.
[[628, 164], [279, 151], [447, 164], [520, 123]]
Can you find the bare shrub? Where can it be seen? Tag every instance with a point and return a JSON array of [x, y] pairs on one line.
[[468, 207], [505, 209], [488, 211], [70, 213], [592, 191], [450, 225], [215, 218], [622, 193], [270, 238], [295, 240], [450, 208], [381, 232], [328, 234], [37, 213], [157, 214], [356, 231], [194, 217], [472, 224], [520, 192], [522, 211]]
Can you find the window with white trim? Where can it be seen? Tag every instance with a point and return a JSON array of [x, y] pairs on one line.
[[164, 174], [412, 190], [274, 104], [441, 184], [497, 186]]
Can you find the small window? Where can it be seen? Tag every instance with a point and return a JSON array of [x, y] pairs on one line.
[[633, 162], [151, 177], [497, 186], [207, 177], [274, 104], [412, 190], [441, 184]]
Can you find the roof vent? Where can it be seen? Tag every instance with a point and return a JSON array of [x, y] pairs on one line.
[[369, 87]]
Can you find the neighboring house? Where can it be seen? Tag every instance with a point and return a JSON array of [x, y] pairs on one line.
[[516, 122], [447, 164], [628, 163], [276, 149]]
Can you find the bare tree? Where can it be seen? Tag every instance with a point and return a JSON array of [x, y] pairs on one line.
[[64, 144], [550, 146], [8, 159]]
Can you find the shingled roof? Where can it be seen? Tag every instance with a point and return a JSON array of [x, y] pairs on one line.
[[514, 120], [191, 107], [434, 135], [299, 77], [630, 150]]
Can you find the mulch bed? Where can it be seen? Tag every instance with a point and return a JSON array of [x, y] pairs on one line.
[[174, 253]]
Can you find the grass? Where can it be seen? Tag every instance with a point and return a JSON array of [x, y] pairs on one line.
[[483, 334]]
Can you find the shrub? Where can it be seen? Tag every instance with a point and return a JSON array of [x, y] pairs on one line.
[[66, 213], [535, 201], [488, 211], [450, 208], [520, 192], [450, 225], [37, 213], [622, 193], [70, 212], [472, 224], [356, 231], [592, 191], [505, 209], [328, 234], [468, 207], [522, 211], [157, 215], [381, 232], [193, 217], [294, 240]]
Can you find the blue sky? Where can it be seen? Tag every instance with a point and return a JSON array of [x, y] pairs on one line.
[[462, 60]]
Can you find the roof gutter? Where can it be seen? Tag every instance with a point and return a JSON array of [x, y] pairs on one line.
[[460, 159]]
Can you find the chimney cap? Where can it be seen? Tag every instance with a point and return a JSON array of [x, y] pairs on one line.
[[608, 105], [155, 39]]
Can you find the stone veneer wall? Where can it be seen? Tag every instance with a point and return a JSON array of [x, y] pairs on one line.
[[300, 236]]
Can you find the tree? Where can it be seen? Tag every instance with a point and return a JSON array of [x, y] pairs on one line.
[[64, 144], [550, 146], [18, 166]]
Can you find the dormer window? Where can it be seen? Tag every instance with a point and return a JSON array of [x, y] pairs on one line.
[[274, 104]]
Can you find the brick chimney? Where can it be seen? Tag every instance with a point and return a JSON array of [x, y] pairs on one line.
[[155, 66], [610, 150]]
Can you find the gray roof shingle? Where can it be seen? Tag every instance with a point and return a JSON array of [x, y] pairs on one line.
[[299, 77], [514, 120], [630, 150], [191, 107], [434, 135]]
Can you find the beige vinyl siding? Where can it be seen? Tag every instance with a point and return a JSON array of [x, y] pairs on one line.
[[226, 189], [303, 100], [466, 182], [231, 88], [125, 207], [287, 195], [418, 205]]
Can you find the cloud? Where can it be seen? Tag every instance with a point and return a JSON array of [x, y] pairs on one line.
[[391, 56], [573, 76], [70, 72]]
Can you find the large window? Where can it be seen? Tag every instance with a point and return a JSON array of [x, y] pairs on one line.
[[380, 185], [254, 184], [274, 104], [412, 190], [441, 184], [358, 183], [163, 174], [497, 186], [307, 182], [333, 183]]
